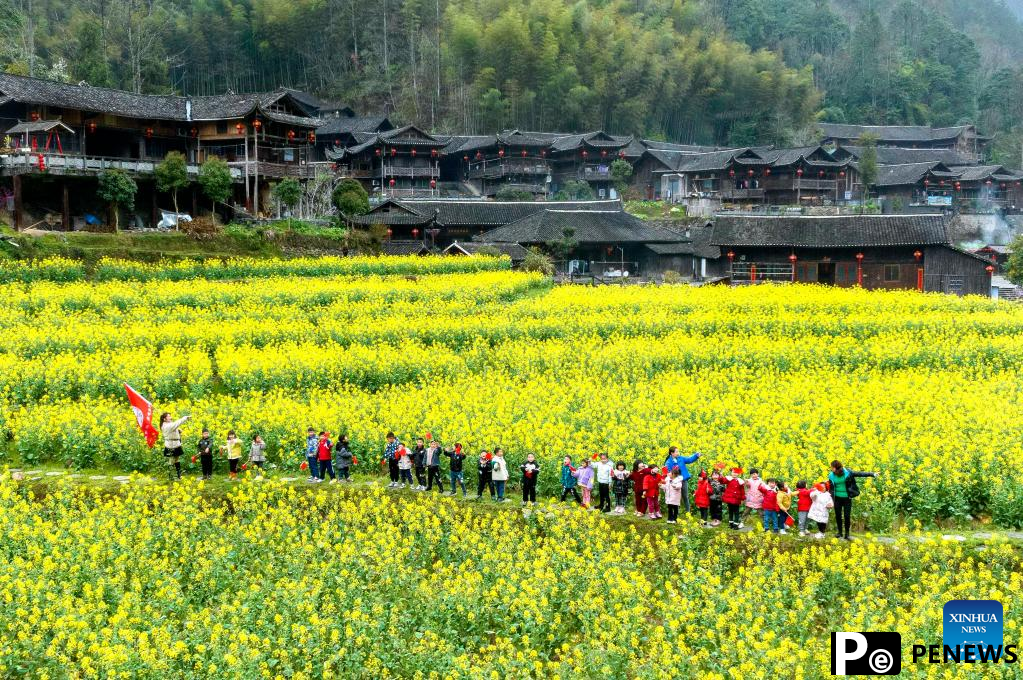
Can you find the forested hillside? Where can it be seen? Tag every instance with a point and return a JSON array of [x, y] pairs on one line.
[[723, 71]]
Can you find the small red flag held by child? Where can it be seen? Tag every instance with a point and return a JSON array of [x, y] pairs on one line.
[[143, 411]]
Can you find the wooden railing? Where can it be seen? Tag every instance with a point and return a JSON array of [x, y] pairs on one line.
[[491, 169], [732, 193]]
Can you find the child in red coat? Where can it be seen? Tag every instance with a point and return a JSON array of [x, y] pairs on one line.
[[803, 503], [733, 496], [652, 489], [639, 473], [702, 497]]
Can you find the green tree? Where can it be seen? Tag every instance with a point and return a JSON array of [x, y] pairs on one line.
[[287, 192], [561, 248], [90, 61], [513, 194], [215, 180], [575, 190], [621, 171], [1014, 265], [171, 175], [350, 198], [868, 164], [117, 189]]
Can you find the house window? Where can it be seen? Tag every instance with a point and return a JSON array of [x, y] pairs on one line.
[[892, 272]]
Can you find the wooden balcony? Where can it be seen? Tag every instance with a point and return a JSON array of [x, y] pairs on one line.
[[733, 194], [279, 170], [495, 169], [74, 165], [593, 172], [813, 184], [398, 170]]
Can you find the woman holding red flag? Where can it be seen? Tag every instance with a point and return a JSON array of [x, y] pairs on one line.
[[172, 450]]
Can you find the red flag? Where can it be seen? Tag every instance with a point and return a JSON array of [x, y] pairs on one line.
[[143, 415]]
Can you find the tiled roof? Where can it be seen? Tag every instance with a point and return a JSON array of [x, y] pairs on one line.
[[404, 247], [893, 133], [147, 106], [513, 250], [895, 155], [977, 173], [908, 173], [38, 126], [717, 160], [593, 227], [831, 232], [495, 213], [344, 125], [669, 146]]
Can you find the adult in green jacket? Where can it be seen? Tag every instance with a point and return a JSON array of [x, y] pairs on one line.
[[843, 488]]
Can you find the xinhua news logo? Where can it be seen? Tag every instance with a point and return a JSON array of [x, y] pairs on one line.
[[866, 653]]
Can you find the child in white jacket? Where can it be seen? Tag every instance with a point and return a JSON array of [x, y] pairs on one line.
[[820, 505]]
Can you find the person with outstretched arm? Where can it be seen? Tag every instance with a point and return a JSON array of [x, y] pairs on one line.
[[675, 461], [843, 488], [171, 430]]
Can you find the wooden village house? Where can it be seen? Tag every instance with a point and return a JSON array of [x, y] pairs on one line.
[[57, 138]]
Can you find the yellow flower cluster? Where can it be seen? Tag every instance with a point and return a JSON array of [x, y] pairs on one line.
[[273, 582], [923, 388]]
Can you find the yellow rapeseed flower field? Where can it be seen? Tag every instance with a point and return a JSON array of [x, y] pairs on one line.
[[922, 388], [270, 581], [274, 582]]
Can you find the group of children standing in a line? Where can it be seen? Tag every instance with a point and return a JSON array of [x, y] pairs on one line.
[[715, 493]]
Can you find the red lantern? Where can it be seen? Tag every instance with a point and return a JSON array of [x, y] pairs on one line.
[[543, 153], [433, 184], [378, 153], [291, 138], [433, 153], [500, 153], [792, 258], [239, 128], [415, 233], [394, 152], [610, 251], [523, 153], [465, 158], [941, 182], [958, 186], [194, 132], [917, 255], [731, 256], [34, 115], [859, 257], [391, 182], [258, 124], [989, 269], [767, 171], [390, 232], [92, 126], [149, 133], [42, 162], [333, 166], [841, 173], [731, 172], [479, 155], [621, 154], [1003, 185], [927, 183], [413, 153], [311, 137], [585, 153], [820, 173], [603, 153], [988, 182], [799, 172], [750, 172]]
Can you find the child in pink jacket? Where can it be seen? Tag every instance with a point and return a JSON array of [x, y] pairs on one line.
[[673, 493], [754, 496]]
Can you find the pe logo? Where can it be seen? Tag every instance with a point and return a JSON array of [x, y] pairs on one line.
[[866, 653], [972, 622]]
